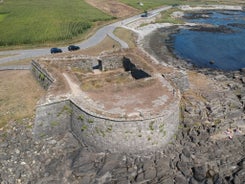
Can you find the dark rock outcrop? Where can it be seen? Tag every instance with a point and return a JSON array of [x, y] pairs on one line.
[[196, 155]]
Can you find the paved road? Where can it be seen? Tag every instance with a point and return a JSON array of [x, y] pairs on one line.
[[14, 55]]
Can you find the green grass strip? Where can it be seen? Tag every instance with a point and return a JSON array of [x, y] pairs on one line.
[[35, 21]]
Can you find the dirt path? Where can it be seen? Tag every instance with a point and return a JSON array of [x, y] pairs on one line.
[[113, 7], [75, 89]]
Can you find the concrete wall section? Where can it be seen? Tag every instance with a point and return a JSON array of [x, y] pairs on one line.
[[111, 62], [52, 119], [124, 136], [88, 63], [41, 75], [108, 63], [102, 134]]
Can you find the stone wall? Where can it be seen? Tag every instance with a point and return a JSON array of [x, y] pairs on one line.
[[111, 62], [108, 63], [53, 118], [102, 133], [134, 136], [41, 75], [88, 63]]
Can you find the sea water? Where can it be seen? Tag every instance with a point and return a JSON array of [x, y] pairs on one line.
[[218, 50]]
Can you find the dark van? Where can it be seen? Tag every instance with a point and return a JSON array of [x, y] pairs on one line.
[[55, 50], [73, 48]]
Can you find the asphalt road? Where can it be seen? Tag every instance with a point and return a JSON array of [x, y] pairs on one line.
[[15, 55]]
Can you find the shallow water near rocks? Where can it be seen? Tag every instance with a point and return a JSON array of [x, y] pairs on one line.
[[223, 49]]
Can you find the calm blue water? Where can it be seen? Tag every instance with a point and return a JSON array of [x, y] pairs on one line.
[[225, 50]]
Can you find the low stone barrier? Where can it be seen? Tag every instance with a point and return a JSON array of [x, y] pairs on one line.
[[122, 135], [41, 75], [105, 134], [15, 67], [102, 133]]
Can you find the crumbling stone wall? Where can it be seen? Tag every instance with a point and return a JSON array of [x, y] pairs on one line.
[[111, 62], [101, 133], [53, 118], [88, 63], [131, 136], [104, 133], [108, 63], [41, 75]]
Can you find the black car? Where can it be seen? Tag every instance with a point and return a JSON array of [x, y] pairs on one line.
[[55, 50], [73, 47]]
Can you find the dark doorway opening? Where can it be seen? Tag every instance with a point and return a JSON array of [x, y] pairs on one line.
[[135, 72], [99, 66]]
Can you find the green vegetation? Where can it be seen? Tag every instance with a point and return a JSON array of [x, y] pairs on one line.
[[109, 128], [54, 123], [90, 121], [38, 22], [217, 121], [127, 35], [151, 125], [100, 132], [161, 129], [42, 135], [80, 117], [66, 109], [41, 76], [166, 17], [3, 15], [146, 3], [83, 128]]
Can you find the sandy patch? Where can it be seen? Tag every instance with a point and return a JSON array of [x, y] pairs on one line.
[[19, 93], [113, 8]]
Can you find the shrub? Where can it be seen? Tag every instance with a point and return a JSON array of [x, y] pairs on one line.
[[84, 127], [80, 117]]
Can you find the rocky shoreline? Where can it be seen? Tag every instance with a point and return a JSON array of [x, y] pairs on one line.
[[209, 146], [201, 151], [195, 155]]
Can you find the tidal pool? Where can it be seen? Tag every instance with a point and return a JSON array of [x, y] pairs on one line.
[[220, 46]]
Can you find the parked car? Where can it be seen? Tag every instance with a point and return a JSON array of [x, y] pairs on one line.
[[73, 47], [55, 50], [145, 14]]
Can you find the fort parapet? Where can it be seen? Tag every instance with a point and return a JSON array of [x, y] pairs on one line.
[[100, 129]]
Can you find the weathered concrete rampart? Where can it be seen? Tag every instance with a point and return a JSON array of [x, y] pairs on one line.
[[134, 136], [101, 132], [52, 119], [88, 63], [41, 75]]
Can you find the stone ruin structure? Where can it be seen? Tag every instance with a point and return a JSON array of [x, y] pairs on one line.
[[144, 120]]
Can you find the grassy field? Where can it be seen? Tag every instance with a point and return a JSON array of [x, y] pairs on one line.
[[39, 22], [156, 3], [19, 93], [146, 3], [128, 36]]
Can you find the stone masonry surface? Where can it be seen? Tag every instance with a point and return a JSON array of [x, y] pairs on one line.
[[100, 132]]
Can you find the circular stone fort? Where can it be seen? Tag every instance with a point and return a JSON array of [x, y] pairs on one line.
[[116, 102]]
